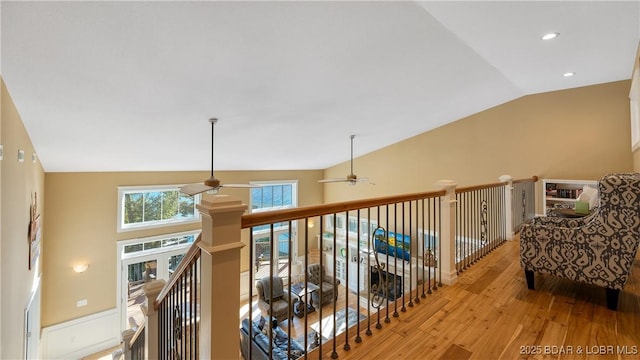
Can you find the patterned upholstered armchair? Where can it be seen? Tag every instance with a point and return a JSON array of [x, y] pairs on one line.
[[598, 249], [327, 291]]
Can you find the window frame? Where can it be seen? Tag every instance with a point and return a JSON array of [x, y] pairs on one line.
[[122, 244], [260, 232], [263, 184], [123, 190]]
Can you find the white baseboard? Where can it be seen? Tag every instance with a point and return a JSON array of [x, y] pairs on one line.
[[81, 337], [449, 278]]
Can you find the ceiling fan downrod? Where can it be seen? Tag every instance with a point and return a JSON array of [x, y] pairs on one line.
[[352, 136], [213, 122]]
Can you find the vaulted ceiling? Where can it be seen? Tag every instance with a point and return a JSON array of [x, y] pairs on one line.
[[130, 86]]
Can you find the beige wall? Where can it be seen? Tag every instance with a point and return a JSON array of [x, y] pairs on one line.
[[581, 133], [636, 154], [82, 228], [18, 183]]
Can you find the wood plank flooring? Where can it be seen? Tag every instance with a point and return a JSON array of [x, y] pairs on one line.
[[490, 314]]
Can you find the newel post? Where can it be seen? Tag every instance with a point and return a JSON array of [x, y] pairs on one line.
[[220, 277], [152, 324], [127, 335], [508, 205], [448, 232]]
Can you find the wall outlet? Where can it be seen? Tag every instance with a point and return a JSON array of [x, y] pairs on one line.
[[82, 303], [1, 152]]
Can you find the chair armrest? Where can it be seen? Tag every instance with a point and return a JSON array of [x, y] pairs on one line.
[[330, 279], [552, 221], [287, 296], [555, 221]]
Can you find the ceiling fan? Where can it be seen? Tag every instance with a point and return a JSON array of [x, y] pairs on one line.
[[352, 179], [211, 185]]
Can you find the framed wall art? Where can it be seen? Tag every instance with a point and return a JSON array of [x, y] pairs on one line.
[[34, 233]]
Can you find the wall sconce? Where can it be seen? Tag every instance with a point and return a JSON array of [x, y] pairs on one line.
[[80, 268], [310, 224]]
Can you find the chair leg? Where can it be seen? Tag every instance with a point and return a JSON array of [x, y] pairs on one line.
[[530, 282], [612, 299]]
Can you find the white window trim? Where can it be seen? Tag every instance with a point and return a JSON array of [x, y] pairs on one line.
[[124, 243], [122, 190]]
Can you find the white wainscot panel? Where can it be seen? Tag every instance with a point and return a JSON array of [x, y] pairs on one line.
[[81, 337]]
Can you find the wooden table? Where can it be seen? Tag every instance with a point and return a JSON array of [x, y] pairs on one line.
[[300, 290]]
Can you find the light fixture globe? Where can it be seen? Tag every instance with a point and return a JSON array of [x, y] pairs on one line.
[[80, 268]]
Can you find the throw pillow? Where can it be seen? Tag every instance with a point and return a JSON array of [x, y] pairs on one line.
[[589, 195]]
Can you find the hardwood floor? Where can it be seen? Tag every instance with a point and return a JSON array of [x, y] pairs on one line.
[[490, 314]]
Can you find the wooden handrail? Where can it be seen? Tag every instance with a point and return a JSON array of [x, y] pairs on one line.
[[493, 185], [270, 217], [531, 179], [187, 260], [137, 334], [465, 189]]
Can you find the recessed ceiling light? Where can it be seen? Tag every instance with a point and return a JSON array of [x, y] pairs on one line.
[[550, 36], [568, 74]]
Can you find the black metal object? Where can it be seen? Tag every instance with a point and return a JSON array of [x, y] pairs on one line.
[[178, 316]]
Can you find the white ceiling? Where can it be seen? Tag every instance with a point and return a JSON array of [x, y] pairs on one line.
[[130, 86]]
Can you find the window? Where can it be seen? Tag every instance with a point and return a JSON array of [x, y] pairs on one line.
[[273, 196], [143, 207], [272, 250], [161, 243], [367, 226], [145, 259]]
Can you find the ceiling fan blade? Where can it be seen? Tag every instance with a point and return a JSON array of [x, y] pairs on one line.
[[194, 189], [365, 180], [240, 186], [332, 180]]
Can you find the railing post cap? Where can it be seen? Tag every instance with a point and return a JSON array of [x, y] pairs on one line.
[[221, 204], [153, 288], [506, 178], [127, 335]]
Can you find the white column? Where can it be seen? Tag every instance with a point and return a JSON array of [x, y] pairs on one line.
[[220, 277], [127, 335], [508, 203], [151, 291], [448, 232]]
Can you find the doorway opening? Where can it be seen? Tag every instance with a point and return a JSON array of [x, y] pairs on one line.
[[144, 260]]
